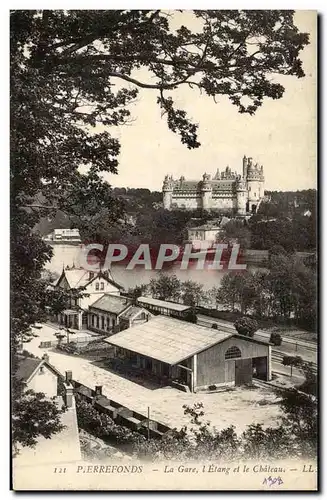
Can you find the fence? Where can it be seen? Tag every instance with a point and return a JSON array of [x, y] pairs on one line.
[[121, 414], [47, 344]]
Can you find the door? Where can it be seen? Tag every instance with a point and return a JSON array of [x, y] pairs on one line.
[[230, 370], [243, 371]]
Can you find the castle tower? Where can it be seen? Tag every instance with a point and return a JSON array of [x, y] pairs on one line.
[[206, 191], [167, 190], [245, 167], [255, 184], [241, 196]]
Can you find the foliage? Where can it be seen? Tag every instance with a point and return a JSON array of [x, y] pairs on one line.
[[236, 230], [34, 416], [297, 233], [310, 385], [276, 250], [102, 426], [136, 292], [201, 441], [165, 287], [191, 293], [300, 419], [191, 316], [246, 326], [237, 291], [64, 69], [275, 338], [292, 361], [287, 291]]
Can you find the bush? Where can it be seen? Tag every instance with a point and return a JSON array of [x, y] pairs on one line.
[[246, 326], [275, 338], [102, 426], [214, 326]]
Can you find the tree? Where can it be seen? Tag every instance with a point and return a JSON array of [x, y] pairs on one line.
[[246, 326], [191, 316], [237, 291], [64, 69], [165, 287], [35, 416], [300, 420], [236, 230], [292, 361], [136, 292], [275, 338], [310, 385], [191, 293]]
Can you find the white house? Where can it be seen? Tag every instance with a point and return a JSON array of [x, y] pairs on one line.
[[64, 235], [207, 234], [93, 285], [112, 314], [41, 376], [38, 375]]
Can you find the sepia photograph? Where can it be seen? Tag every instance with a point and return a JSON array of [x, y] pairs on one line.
[[164, 250]]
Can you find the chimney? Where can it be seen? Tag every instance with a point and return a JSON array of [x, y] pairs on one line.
[[69, 392], [68, 377], [46, 357], [98, 390]]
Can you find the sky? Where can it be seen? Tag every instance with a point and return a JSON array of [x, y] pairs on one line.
[[281, 135]]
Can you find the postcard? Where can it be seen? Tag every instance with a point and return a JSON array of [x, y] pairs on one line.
[[164, 250]]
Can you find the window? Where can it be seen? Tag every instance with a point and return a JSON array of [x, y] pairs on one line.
[[102, 322], [233, 352], [97, 286], [102, 286], [41, 369], [97, 321]]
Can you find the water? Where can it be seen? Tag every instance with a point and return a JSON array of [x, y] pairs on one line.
[[64, 255]]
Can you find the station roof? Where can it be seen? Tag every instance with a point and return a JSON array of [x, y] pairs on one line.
[[173, 306], [167, 339], [111, 303]]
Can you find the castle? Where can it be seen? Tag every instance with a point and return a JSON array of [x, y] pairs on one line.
[[227, 191]]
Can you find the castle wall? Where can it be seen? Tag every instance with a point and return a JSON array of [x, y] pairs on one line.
[[223, 203], [188, 202]]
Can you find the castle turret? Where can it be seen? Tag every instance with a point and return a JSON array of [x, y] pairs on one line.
[[167, 190], [255, 184], [206, 190], [241, 196], [245, 167]]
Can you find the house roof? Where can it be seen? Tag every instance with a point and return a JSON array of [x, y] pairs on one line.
[[167, 339], [78, 278], [131, 312], [111, 303], [26, 367], [173, 306]]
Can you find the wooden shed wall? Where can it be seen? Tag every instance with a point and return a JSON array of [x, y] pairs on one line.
[[211, 362]]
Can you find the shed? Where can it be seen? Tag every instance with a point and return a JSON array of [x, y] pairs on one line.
[[193, 355]]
